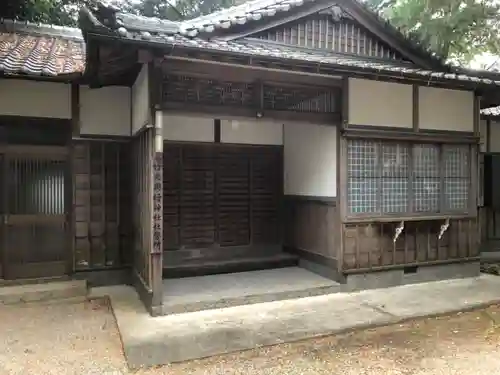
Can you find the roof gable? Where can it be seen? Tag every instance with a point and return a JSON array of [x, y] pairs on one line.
[[331, 29], [258, 15]]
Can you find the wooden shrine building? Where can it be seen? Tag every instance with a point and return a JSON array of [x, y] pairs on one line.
[[270, 134]]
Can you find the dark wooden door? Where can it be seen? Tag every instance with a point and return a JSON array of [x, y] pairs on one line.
[[221, 195], [34, 213]]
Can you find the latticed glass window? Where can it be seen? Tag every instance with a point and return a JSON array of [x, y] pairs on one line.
[[363, 171], [426, 183], [456, 162], [404, 178], [395, 172]]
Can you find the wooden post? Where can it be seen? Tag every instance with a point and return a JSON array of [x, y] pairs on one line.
[[157, 216]]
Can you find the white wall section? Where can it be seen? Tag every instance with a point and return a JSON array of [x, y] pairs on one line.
[[35, 99], [444, 109], [494, 136], [105, 111], [380, 103], [140, 100], [255, 132], [187, 128], [310, 165]]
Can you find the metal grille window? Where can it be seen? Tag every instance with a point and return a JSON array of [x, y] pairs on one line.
[[301, 99], [208, 91], [404, 178]]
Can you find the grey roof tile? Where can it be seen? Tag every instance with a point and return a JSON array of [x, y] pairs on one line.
[[253, 10], [492, 111], [40, 50]]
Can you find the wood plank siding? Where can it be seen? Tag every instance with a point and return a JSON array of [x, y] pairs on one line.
[[102, 203], [370, 246], [312, 228], [322, 31]]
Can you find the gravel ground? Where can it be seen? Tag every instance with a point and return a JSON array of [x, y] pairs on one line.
[[81, 339]]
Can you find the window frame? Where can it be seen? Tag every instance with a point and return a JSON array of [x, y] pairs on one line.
[[410, 213]]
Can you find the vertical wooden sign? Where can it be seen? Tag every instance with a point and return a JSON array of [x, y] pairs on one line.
[[157, 203]]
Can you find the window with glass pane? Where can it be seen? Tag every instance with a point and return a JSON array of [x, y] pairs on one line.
[[404, 178], [395, 172], [426, 181], [456, 163], [363, 175]]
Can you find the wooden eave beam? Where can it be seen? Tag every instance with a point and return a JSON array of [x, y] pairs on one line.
[[323, 70]]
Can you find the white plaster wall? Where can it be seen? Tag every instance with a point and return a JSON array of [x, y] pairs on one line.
[[140, 100], [494, 136], [35, 99], [255, 132], [187, 128], [380, 103], [310, 165], [105, 111], [444, 109]]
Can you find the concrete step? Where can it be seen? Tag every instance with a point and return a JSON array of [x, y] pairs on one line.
[[244, 288], [43, 292]]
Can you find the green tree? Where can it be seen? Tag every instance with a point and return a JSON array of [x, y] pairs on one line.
[[65, 12], [454, 29], [58, 12], [176, 10]]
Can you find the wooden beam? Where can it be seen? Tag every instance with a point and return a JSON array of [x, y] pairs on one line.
[[75, 110], [229, 71], [415, 108], [144, 56], [231, 112]]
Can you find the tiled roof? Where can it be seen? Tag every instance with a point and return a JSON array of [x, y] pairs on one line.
[[264, 48], [40, 50], [253, 10], [110, 21], [246, 13], [492, 111]]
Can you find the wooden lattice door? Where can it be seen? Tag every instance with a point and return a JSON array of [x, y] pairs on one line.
[[34, 211]]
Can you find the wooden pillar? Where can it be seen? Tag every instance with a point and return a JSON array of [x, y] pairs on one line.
[[69, 192], [157, 216]]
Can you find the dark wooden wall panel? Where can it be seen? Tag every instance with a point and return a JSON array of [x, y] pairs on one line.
[[370, 246], [102, 201], [312, 226]]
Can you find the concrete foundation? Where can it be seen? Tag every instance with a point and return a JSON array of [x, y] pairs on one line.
[[421, 274], [320, 269], [43, 292], [149, 341]]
